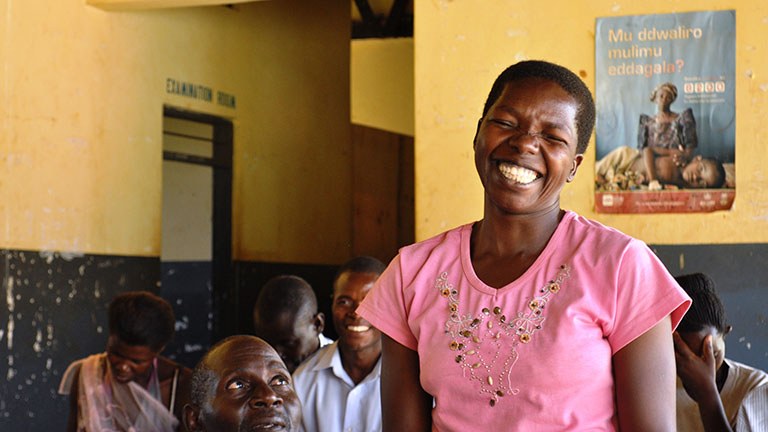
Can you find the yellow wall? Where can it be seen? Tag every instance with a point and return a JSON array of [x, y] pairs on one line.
[[381, 81], [461, 46], [82, 93]]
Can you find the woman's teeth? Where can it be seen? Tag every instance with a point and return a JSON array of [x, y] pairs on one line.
[[358, 329], [517, 174]]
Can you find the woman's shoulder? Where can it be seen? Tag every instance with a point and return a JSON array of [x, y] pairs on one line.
[[686, 116], [581, 229], [434, 251], [746, 376], [449, 238], [72, 374], [645, 119]]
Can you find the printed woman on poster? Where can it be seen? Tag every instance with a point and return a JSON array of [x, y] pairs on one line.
[[673, 157]]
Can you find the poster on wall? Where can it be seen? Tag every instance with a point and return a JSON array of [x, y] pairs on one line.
[[665, 133]]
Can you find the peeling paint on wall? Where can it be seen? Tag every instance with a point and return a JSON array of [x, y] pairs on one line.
[[11, 303], [55, 307]]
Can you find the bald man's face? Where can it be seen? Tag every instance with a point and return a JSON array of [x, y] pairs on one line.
[[253, 391]]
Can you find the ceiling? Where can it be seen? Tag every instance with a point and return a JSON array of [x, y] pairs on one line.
[[382, 18]]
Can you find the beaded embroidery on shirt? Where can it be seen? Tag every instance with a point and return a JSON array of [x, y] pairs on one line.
[[486, 344]]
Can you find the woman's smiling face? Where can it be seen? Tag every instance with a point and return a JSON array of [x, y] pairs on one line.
[[525, 147]]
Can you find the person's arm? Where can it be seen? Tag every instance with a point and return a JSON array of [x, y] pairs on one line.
[[645, 381], [698, 375], [405, 406], [674, 152], [73, 396], [650, 165]]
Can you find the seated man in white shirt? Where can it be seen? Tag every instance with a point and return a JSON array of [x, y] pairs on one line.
[[339, 386], [285, 315]]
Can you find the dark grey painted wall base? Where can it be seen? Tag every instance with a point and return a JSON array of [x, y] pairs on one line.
[[55, 311], [741, 274]]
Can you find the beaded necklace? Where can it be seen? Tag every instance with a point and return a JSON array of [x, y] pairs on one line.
[[479, 341]]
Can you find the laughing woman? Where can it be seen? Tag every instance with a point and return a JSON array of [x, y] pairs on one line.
[[533, 318]]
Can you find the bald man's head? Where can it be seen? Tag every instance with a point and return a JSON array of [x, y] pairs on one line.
[[242, 384]]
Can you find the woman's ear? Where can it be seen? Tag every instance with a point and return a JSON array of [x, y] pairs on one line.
[[574, 167]]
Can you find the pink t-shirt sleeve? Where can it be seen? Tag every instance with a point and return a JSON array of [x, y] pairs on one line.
[[385, 306], [643, 298]]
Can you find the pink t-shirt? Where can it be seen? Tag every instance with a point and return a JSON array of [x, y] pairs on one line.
[[535, 354]]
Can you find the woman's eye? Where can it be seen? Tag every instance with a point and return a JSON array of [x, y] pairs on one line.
[[504, 123], [556, 139], [236, 385]]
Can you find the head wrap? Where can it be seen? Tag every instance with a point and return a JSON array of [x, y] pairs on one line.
[[668, 86]]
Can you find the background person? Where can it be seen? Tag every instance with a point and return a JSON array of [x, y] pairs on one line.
[[533, 318], [130, 386], [339, 386], [286, 316], [714, 393], [242, 384]]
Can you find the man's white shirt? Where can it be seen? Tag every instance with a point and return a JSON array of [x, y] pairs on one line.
[[331, 402]]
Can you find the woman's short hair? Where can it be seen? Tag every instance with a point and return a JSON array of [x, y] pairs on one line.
[[706, 308], [141, 318], [569, 81]]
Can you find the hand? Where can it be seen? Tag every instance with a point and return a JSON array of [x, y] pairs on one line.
[[696, 373], [678, 157], [654, 185]]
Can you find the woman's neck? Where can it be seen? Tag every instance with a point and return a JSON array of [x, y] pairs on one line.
[[515, 234], [664, 114], [503, 249]]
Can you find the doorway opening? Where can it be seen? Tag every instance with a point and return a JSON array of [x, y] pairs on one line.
[[196, 258]]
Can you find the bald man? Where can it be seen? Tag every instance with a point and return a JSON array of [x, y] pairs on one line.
[[286, 316], [241, 384]]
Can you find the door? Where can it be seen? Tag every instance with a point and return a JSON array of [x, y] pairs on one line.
[[195, 261]]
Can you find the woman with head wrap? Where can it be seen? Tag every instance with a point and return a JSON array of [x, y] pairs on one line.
[[667, 133]]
